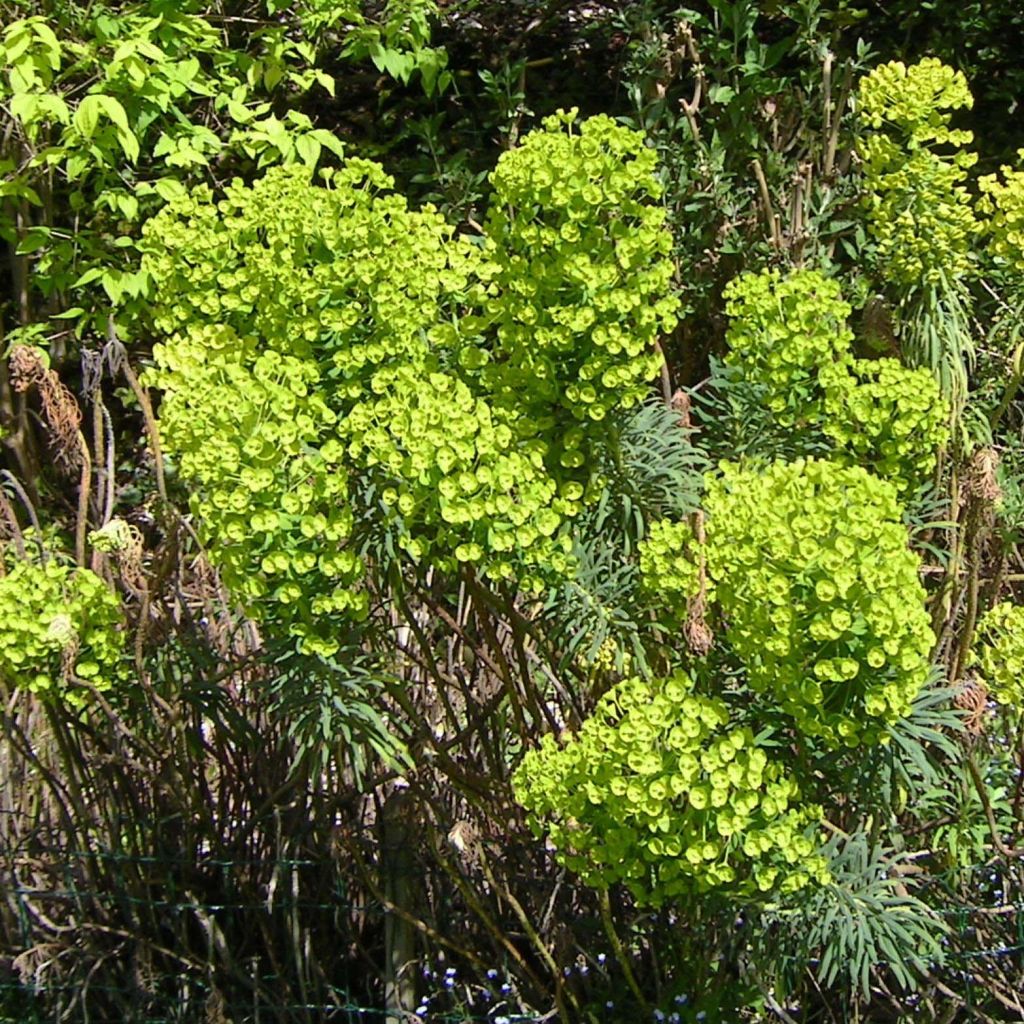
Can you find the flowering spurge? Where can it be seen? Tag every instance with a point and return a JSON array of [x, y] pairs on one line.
[[818, 590], [580, 284], [784, 329], [788, 334], [1002, 202], [59, 626], [259, 448], [298, 300], [998, 653], [339, 344], [886, 416], [460, 484], [918, 209], [657, 792]]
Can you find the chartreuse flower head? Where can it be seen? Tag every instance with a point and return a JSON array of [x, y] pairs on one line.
[[784, 328], [581, 281], [1002, 202], [914, 164], [999, 653], [458, 480], [345, 274], [885, 415], [656, 791], [60, 626], [788, 334], [916, 101], [259, 446], [669, 566], [819, 593]]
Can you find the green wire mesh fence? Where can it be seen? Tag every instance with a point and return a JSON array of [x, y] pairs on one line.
[[100, 935], [103, 936]]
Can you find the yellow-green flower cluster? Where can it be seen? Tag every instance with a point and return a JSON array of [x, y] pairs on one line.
[[999, 653], [335, 334], [669, 565], [1002, 203], [344, 274], [820, 593], [889, 417], [789, 335], [298, 299], [656, 791], [596, 659], [783, 330], [60, 627], [258, 443], [580, 283], [918, 209], [460, 483]]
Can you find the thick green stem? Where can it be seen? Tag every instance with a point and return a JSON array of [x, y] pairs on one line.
[[619, 951]]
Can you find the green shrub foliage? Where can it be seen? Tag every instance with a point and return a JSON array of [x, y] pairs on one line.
[[60, 627], [422, 448], [656, 791]]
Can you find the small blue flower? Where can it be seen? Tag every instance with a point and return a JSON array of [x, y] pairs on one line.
[[609, 1005], [449, 982], [566, 971], [422, 1010], [485, 994], [450, 972], [506, 988], [601, 958], [674, 1018], [492, 974], [658, 1015], [702, 1015], [682, 1000]]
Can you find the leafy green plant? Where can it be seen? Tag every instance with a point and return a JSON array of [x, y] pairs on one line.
[[863, 919], [122, 115]]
